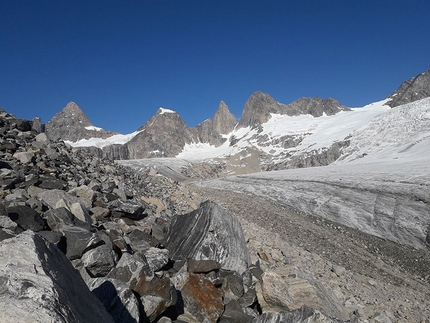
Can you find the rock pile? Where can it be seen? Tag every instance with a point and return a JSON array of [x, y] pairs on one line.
[[71, 223]]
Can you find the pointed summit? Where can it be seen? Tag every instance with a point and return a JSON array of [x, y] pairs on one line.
[[258, 108], [224, 121], [72, 124], [416, 88]]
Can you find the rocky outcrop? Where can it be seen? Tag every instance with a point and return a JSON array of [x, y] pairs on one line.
[[72, 124], [211, 130], [414, 89], [164, 135], [315, 107]]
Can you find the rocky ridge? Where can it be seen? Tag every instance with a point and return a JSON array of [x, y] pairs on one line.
[[414, 89], [113, 231]]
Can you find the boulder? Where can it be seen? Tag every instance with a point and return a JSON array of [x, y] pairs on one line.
[[99, 261], [117, 298], [209, 233], [26, 218], [130, 268], [39, 284]]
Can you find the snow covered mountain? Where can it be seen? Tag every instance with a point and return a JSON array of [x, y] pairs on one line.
[[272, 136]]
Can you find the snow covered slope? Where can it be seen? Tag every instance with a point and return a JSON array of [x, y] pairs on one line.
[[380, 185]]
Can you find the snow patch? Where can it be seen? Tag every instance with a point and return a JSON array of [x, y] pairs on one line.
[[100, 142], [163, 111], [94, 128]]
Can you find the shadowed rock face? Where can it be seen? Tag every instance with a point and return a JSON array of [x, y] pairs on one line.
[[209, 233], [416, 88], [72, 124]]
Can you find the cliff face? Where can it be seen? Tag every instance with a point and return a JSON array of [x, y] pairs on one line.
[[416, 88], [72, 124]]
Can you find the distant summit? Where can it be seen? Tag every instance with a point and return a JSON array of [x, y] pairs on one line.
[[260, 106], [416, 88], [72, 124]]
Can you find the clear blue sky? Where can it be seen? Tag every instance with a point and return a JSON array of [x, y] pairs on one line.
[[121, 60]]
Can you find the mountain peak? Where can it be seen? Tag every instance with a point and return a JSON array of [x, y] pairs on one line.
[[414, 89], [72, 124], [224, 121]]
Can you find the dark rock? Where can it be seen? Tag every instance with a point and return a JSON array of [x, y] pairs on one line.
[[26, 218], [209, 233], [156, 294], [140, 240], [77, 240], [117, 298], [233, 313], [126, 209], [99, 261], [130, 268], [57, 218]]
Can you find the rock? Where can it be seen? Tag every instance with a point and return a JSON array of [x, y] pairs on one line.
[[411, 90], [26, 218], [157, 258], [156, 294], [38, 284], [24, 157], [127, 209], [130, 268], [78, 241], [202, 299], [99, 261], [117, 298], [56, 198], [202, 266], [234, 314], [209, 233], [303, 315], [60, 217]]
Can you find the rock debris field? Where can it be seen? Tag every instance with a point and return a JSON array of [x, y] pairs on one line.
[[83, 239]]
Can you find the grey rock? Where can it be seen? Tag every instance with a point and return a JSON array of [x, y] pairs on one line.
[[202, 266], [233, 313], [26, 218], [130, 268], [57, 198], [127, 209], [117, 298], [416, 88], [38, 284], [157, 258], [99, 261], [209, 233], [60, 217], [78, 240], [24, 157]]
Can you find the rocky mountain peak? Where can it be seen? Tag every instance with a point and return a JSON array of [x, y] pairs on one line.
[[163, 135], [414, 89], [224, 121], [258, 108], [72, 124]]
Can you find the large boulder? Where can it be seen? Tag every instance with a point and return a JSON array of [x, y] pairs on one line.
[[39, 284], [209, 233]]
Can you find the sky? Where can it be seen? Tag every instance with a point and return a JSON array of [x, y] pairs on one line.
[[122, 60]]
